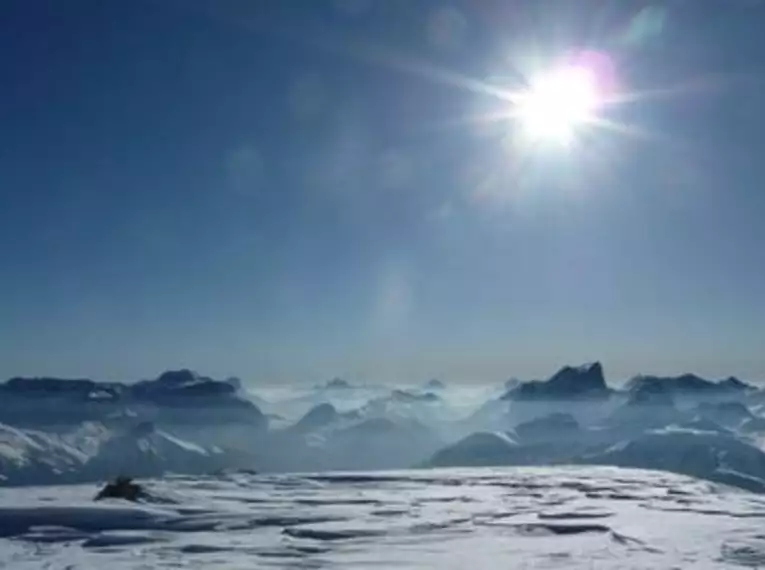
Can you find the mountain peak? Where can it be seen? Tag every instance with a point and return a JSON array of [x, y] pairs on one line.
[[587, 377], [178, 377], [338, 383], [586, 380]]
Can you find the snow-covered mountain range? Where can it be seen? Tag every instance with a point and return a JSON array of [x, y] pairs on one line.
[[68, 431]]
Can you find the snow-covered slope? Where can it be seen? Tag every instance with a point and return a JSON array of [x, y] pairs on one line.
[[35, 457], [93, 452], [145, 451], [553, 518], [712, 455]]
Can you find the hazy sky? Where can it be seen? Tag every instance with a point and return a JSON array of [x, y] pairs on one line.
[[290, 190]]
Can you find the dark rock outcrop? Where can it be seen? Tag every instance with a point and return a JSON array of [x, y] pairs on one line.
[[121, 488], [569, 383]]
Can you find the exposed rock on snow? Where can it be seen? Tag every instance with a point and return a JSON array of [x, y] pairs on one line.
[[121, 488], [558, 518]]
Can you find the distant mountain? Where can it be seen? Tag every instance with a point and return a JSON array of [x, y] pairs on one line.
[[690, 386], [94, 452], [427, 408], [56, 430], [81, 389], [382, 443], [581, 382], [706, 454], [338, 384], [478, 449], [733, 383], [145, 451], [182, 383], [317, 417], [324, 416], [174, 396], [731, 414], [554, 427], [648, 405], [650, 394], [434, 384], [29, 457]]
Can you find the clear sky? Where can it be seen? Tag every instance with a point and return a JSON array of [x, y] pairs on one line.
[[291, 190]]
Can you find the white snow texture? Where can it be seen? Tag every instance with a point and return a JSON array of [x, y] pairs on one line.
[[566, 518]]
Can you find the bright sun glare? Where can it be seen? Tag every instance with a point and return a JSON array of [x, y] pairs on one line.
[[558, 104]]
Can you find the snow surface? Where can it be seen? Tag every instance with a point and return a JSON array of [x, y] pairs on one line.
[[567, 518]]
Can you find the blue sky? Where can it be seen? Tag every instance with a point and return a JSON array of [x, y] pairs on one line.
[[288, 191]]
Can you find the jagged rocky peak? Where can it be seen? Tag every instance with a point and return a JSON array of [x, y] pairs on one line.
[[677, 384], [691, 385], [338, 383], [578, 379], [570, 382]]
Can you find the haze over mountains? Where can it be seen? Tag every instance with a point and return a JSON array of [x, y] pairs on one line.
[[60, 431]]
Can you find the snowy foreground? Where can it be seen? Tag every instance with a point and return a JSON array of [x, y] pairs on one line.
[[562, 517]]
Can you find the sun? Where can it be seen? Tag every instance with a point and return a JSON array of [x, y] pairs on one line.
[[558, 104]]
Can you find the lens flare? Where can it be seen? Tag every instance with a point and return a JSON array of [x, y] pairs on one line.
[[559, 103]]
